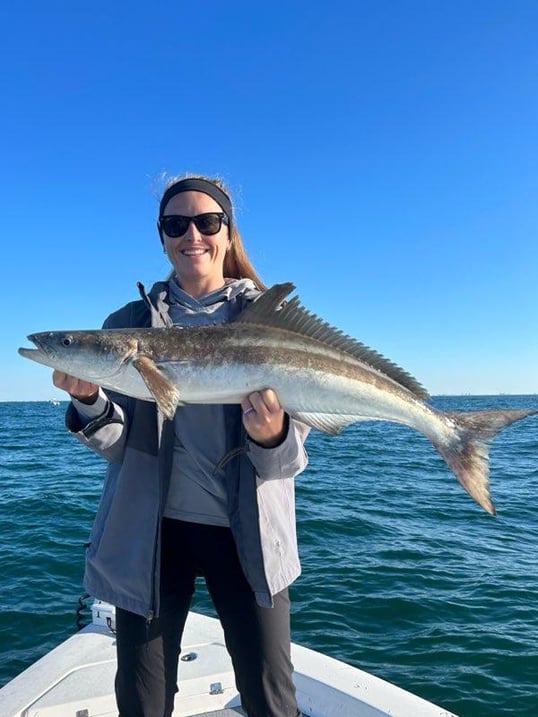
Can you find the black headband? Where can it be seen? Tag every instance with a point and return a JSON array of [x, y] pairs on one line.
[[197, 185]]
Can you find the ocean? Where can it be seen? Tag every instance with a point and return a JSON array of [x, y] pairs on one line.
[[403, 574]]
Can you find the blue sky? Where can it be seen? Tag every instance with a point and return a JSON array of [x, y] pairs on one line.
[[382, 155]]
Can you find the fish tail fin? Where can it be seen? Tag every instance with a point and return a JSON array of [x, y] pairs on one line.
[[468, 454]]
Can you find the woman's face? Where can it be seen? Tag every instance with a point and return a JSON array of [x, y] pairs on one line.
[[197, 258]]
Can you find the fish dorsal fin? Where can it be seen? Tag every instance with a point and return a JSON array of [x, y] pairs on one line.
[[270, 309]]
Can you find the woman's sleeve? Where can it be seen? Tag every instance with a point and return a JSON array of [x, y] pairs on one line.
[[103, 427], [286, 460], [105, 430]]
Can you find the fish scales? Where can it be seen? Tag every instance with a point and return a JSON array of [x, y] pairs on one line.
[[321, 376], [242, 359]]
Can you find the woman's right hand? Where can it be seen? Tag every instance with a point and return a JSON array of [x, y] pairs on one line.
[[83, 391]]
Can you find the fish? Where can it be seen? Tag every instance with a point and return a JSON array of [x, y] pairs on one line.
[[322, 377]]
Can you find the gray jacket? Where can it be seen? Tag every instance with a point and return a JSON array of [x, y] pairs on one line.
[[122, 559]]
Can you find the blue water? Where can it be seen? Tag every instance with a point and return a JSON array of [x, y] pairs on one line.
[[403, 575]]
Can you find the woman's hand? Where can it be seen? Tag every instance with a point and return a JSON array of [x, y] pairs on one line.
[[83, 391], [264, 418]]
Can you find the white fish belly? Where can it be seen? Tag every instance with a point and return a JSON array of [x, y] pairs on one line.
[[301, 391], [129, 382]]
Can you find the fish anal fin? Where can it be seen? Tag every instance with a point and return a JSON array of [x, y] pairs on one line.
[[164, 392], [331, 423]]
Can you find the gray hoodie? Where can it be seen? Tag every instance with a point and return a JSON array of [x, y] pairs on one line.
[[122, 560]]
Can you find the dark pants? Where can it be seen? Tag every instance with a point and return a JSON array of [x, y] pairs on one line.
[[257, 638]]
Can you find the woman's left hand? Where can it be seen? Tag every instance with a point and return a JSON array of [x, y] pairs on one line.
[[263, 418]]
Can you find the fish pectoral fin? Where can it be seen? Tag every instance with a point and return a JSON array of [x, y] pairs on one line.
[[165, 393], [331, 423]]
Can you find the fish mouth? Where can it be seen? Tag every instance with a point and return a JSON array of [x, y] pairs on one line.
[[31, 353], [27, 353], [46, 354]]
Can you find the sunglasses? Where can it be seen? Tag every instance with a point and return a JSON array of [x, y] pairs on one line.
[[176, 225]]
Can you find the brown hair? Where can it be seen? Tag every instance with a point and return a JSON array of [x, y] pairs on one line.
[[237, 264]]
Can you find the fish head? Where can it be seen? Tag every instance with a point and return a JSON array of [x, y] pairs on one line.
[[88, 355]]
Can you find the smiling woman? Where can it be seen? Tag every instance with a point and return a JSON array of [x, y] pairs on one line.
[[171, 508], [192, 192], [198, 246]]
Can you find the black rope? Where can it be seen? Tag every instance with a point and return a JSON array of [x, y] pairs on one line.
[[109, 625], [83, 618], [230, 455]]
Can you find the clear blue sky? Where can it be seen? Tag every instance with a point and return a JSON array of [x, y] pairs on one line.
[[383, 156]]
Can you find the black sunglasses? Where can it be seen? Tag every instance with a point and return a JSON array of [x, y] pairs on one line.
[[176, 225]]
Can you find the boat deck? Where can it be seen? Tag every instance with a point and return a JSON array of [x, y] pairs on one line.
[[76, 679]]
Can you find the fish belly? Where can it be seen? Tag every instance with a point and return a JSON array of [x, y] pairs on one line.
[[301, 391]]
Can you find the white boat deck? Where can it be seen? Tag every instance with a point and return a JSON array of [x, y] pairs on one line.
[[76, 679]]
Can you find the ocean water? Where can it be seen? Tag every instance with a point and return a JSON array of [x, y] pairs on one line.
[[403, 574]]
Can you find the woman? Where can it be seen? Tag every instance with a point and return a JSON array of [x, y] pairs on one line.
[[171, 509]]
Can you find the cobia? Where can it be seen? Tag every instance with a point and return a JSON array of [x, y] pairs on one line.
[[321, 376]]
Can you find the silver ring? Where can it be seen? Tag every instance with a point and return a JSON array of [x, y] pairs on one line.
[[248, 410]]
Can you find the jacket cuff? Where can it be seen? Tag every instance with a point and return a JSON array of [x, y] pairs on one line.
[[76, 422], [88, 412], [97, 423], [282, 461]]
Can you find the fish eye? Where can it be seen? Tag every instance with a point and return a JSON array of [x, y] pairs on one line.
[[67, 341]]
